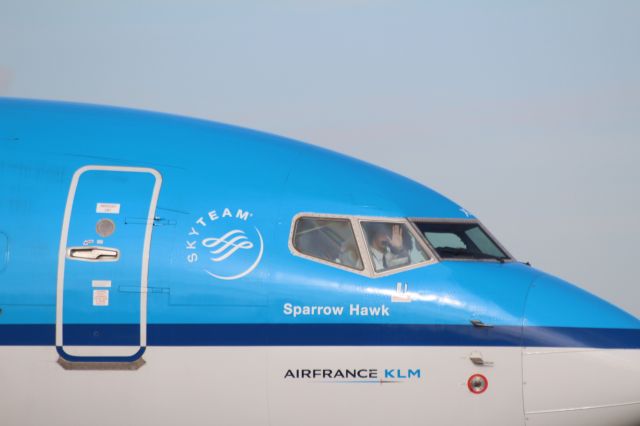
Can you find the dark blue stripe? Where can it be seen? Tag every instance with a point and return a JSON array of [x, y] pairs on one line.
[[618, 338], [323, 335], [101, 334], [27, 334], [329, 335]]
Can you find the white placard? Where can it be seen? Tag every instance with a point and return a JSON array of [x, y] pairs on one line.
[[100, 297], [101, 283], [109, 208]]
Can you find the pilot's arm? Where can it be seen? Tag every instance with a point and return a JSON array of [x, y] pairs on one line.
[[397, 255]]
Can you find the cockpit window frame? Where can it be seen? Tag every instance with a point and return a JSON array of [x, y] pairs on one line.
[[413, 220], [356, 234], [362, 245], [416, 235]]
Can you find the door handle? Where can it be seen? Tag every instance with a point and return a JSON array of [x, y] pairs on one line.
[[94, 253], [480, 324]]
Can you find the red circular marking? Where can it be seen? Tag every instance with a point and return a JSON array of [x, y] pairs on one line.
[[470, 385]]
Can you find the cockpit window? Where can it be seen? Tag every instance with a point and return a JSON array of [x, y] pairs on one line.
[[461, 240], [392, 245], [328, 239]]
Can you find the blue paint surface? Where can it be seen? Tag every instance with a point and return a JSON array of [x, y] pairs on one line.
[[4, 251]]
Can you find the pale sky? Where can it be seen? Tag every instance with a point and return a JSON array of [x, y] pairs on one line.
[[525, 112]]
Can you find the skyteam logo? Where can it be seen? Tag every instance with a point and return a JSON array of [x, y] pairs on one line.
[[224, 244], [227, 245]]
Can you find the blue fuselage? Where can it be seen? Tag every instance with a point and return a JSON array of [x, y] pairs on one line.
[[214, 179]]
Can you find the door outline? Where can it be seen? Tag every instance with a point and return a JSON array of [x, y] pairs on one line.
[[144, 278]]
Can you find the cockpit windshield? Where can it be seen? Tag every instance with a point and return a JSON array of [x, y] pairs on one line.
[[461, 240]]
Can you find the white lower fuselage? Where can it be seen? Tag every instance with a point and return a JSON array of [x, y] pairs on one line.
[[397, 386]]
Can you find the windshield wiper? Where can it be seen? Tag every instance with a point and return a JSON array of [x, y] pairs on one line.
[[450, 251], [500, 259], [460, 252]]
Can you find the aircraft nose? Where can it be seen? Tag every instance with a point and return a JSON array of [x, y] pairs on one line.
[[581, 358]]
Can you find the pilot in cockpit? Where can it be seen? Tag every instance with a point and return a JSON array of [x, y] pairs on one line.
[[387, 245]]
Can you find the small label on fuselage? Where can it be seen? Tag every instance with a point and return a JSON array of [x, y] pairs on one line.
[[109, 208], [353, 310], [100, 297]]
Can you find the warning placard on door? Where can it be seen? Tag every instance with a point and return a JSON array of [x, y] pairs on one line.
[[109, 208]]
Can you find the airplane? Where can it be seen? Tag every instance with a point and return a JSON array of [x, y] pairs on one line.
[[163, 270]]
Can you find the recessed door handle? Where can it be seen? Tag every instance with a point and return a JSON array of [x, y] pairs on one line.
[[477, 359], [94, 253], [480, 324]]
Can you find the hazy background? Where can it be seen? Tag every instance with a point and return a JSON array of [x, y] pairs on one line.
[[527, 113]]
